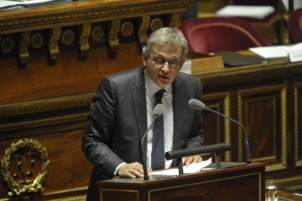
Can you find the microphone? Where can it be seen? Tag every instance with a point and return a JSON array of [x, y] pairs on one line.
[[157, 112], [198, 105]]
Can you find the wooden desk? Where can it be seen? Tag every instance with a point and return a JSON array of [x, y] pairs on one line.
[[231, 184], [290, 196]]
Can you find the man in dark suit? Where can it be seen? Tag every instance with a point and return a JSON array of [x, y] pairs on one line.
[[123, 106]]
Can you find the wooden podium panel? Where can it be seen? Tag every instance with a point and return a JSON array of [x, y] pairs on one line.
[[233, 183]]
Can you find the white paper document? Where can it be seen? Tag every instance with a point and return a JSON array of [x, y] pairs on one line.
[[270, 52], [7, 4], [257, 12], [192, 168]]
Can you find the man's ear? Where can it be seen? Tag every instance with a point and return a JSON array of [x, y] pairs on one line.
[[144, 59]]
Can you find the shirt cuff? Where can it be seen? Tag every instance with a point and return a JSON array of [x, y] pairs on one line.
[[116, 169]]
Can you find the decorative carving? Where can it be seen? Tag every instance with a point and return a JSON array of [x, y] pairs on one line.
[[7, 45], [84, 45], [37, 40], [142, 32], [94, 14], [97, 33], [23, 47], [20, 181], [156, 24], [113, 38], [79, 16], [127, 29], [53, 43], [67, 37], [45, 105]]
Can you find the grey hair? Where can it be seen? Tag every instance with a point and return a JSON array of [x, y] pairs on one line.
[[167, 35]]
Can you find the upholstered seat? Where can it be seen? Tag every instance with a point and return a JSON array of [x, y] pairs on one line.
[[294, 25], [216, 34]]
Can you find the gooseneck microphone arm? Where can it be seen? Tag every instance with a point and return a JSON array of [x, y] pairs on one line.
[[198, 105], [157, 112]]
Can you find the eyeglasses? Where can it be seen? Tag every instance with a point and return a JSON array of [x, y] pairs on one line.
[[159, 61]]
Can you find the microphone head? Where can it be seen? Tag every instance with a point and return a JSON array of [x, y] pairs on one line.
[[158, 110], [196, 104]]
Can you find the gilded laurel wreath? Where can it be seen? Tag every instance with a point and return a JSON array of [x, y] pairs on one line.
[[27, 186]]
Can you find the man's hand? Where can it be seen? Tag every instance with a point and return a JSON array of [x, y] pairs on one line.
[[192, 159], [132, 170]]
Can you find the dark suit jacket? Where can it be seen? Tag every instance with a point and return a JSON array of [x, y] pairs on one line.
[[118, 120]]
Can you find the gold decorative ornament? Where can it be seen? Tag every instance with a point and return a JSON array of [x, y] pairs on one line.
[[156, 24], [21, 181], [37, 40], [83, 43], [97, 33], [23, 46], [127, 29], [67, 37], [7, 45], [55, 34]]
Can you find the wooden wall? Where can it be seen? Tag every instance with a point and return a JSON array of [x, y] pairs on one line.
[[51, 60]]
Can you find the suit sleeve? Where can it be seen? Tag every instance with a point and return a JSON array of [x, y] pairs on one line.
[[196, 137], [97, 135]]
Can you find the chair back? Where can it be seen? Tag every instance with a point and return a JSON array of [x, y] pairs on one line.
[[294, 25], [216, 34]]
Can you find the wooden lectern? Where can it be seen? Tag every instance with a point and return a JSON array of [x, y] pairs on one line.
[[237, 183]]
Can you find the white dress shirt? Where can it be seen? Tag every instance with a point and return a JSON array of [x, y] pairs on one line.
[[167, 100]]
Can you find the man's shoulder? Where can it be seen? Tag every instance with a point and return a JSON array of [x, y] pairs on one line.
[[130, 72]]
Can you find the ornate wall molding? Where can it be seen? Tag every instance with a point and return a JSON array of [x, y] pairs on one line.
[[246, 74], [51, 104], [77, 27], [93, 15]]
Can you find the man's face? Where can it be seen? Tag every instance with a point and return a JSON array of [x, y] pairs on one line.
[[163, 63]]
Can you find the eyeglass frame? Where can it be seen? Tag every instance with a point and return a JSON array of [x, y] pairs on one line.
[[161, 62]]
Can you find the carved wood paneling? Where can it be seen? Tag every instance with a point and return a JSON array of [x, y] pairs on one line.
[[217, 128], [263, 111]]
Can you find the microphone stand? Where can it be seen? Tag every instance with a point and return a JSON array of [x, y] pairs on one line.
[[246, 142], [146, 176]]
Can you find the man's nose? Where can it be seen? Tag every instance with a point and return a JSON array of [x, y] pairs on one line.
[[166, 66]]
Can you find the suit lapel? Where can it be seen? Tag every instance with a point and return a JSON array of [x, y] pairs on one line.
[[139, 103]]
